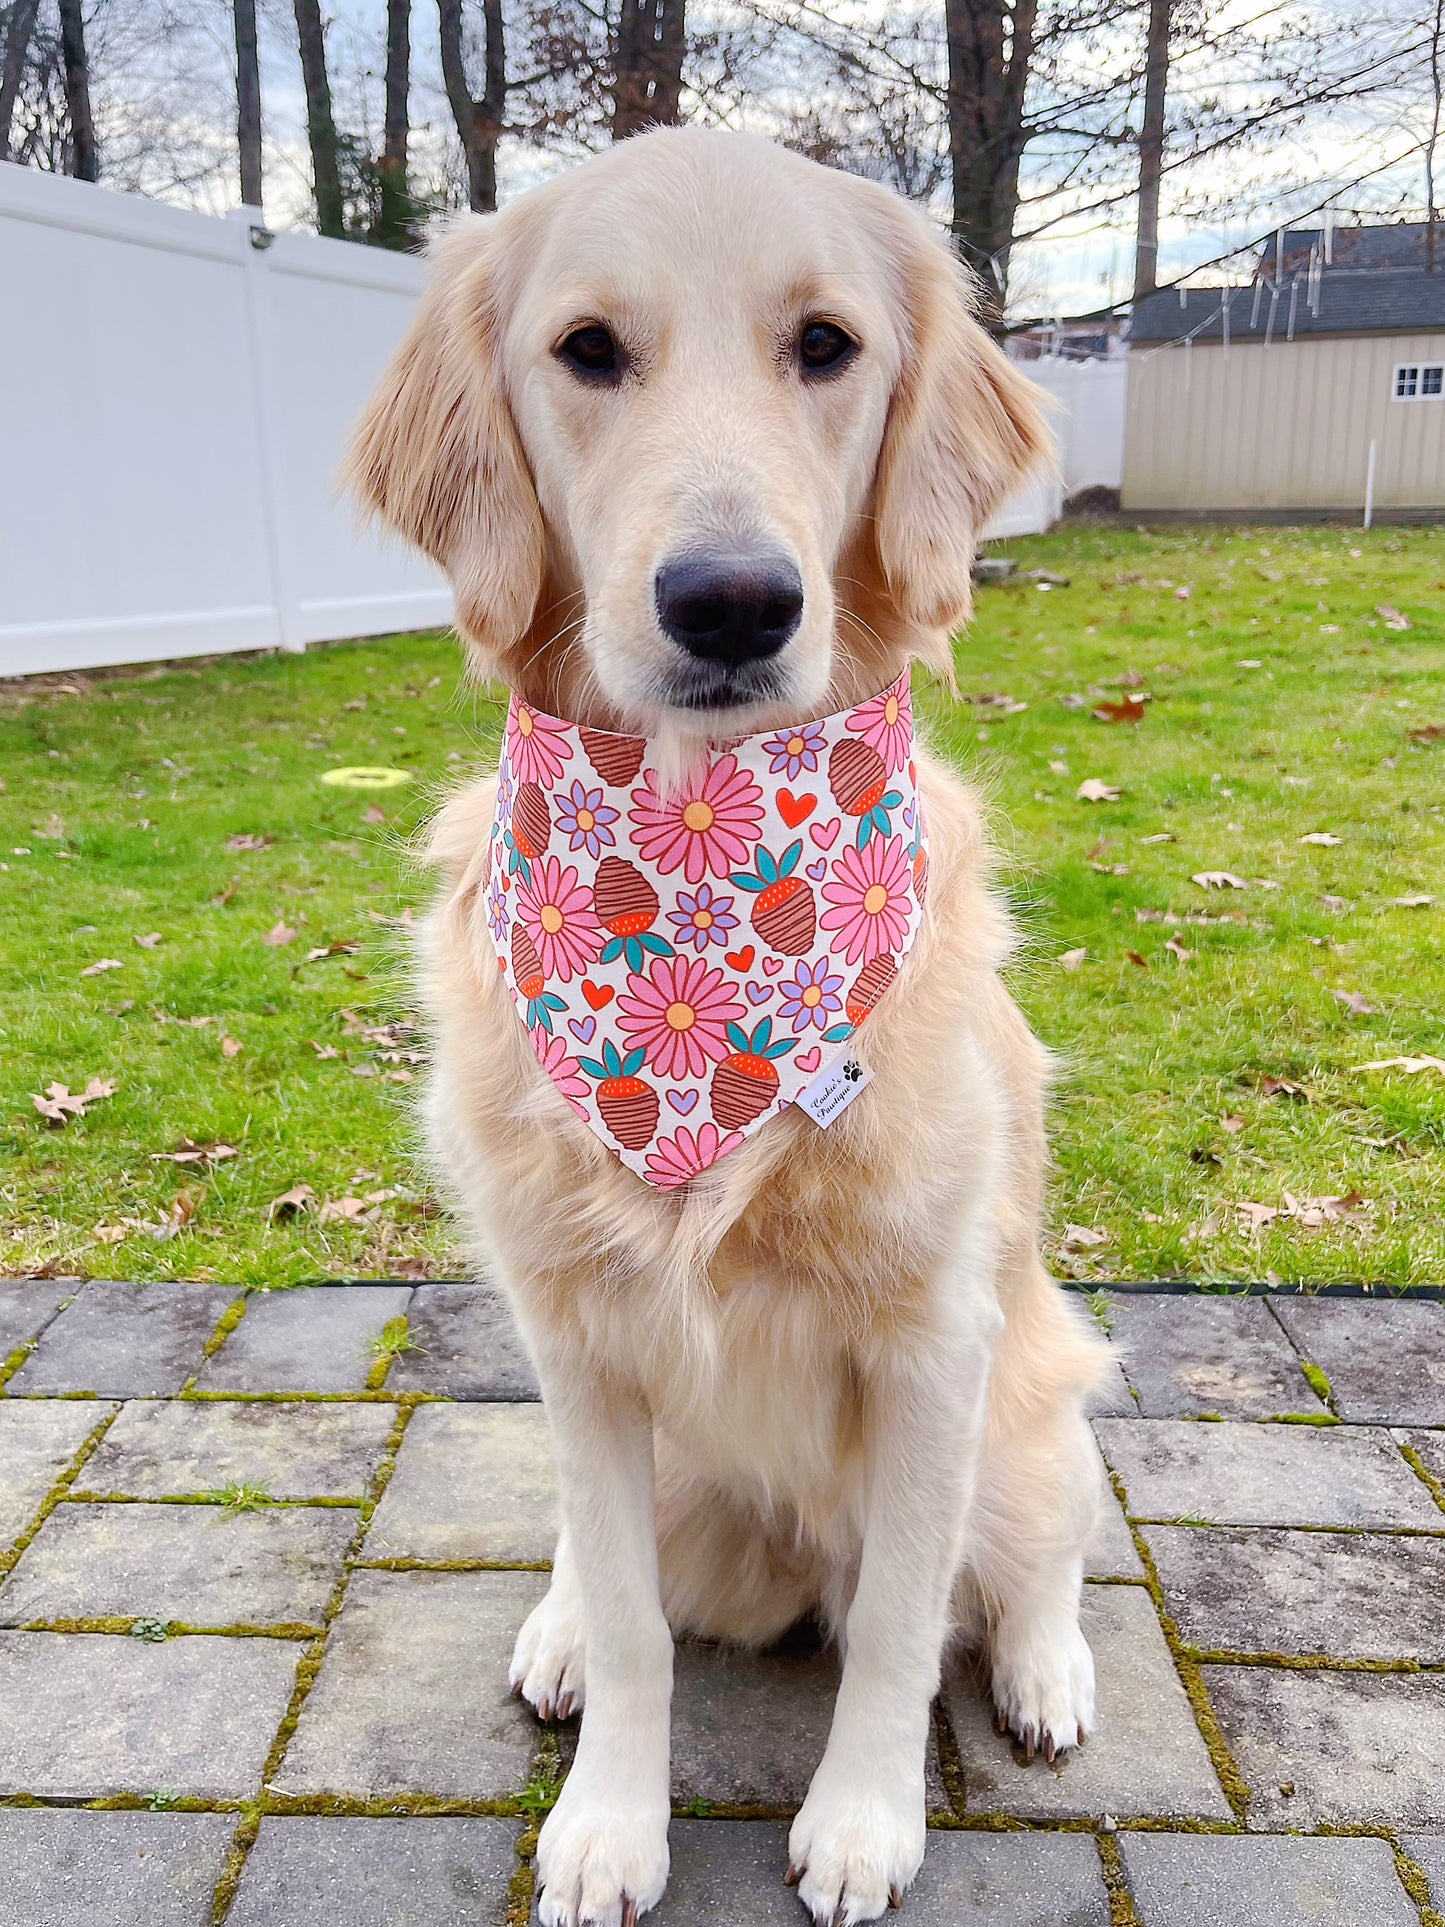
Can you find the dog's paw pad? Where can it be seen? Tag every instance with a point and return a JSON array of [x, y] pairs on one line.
[[600, 1863], [852, 1856]]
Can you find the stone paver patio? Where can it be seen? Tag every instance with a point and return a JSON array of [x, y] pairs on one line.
[[259, 1583]]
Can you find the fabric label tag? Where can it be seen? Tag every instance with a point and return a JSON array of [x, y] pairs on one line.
[[834, 1089]]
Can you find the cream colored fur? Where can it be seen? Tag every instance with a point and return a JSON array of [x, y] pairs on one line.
[[831, 1376]]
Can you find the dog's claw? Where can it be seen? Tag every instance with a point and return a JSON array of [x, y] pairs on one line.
[[1002, 1719], [792, 1876], [1030, 1746], [895, 1897], [629, 1911], [1049, 1748]]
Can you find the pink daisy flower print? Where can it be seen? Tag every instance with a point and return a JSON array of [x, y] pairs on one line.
[[563, 1069], [673, 1160], [813, 998], [700, 829], [497, 915], [586, 820], [796, 750], [556, 909], [870, 899], [679, 1015], [536, 747], [886, 724], [702, 918]]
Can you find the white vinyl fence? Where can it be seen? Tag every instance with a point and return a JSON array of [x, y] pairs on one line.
[[174, 401], [175, 394]]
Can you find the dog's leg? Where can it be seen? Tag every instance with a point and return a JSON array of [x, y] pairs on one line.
[[549, 1659], [602, 1854], [858, 1840]]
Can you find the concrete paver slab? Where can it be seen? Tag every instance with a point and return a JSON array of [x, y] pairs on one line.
[[89, 1714], [198, 1565], [63, 1868], [471, 1482], [310, 1338], [125, 1341], [470, 1347], [1266, 1475], [345, 1872], [413, 1697], [160, 1448]]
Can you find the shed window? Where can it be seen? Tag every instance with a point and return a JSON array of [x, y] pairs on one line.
[[1415, 381]]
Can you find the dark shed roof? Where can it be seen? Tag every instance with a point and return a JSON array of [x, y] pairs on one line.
[[1348, 300]]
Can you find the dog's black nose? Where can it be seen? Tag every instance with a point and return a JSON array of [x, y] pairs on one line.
[[729, 606]]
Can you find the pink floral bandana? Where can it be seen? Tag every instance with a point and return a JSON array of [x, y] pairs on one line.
[[687, 960]]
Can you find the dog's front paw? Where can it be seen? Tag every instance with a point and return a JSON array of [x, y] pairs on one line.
[[548, 1659], [601, 1858], [1043, 1683], [855, 1845]]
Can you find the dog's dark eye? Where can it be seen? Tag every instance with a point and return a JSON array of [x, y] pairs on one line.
[[824, 347], [591, 351]]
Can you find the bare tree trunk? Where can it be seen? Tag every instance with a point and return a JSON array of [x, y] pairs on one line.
[[1151, 148], [647, 65], [84, 154], [988, 73], [479, 122], [1431, 143], [248, 102], [393, 225], [320, 121], [12, 72]]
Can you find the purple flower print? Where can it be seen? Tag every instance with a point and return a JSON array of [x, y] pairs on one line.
[[497, 913], [702, 918], [586, 819], [812, 998], [796, 750]]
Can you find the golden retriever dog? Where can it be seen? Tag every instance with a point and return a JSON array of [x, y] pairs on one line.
[[830, 1375]]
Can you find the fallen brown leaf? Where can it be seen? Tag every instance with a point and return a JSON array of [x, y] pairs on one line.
[[1094, 790], [1176, 949], [373, 813], [1391, 616], [150, 942], [60, 1103], [1232, 1124], [189, 1152], [223, 897], [102, 963], [1326, 839], [1411, 1066], [231, 1046], [1428, 733], [1340, 906], [1418, 901], [1353, 1002], [346, 948], [246, 841], [1160, 836], [279, 935], [346, 1208], [1129, 709], [1083, 1237], [1071, 959], [291, 1203], [109, 1234], [1218, 880], [1135, 957], [324, 1050], [1281, 1087]]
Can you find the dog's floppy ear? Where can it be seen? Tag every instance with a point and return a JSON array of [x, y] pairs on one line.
[[964, 430], [437, 455]]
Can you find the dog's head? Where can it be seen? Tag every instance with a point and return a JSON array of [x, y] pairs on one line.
[[702, 433]]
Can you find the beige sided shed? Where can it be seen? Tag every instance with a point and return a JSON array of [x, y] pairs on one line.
[[1270, 398]]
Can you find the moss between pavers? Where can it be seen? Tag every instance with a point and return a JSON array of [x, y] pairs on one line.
[[1319, 1381], [1309, 1662], [1422, 1471], [123, 1625], [1122, 1911], [1416, 1883]]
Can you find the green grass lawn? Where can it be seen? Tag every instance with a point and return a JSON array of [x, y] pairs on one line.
[[1281, 704]]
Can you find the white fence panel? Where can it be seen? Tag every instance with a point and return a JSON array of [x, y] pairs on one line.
[[173, 406], [1089, 419]]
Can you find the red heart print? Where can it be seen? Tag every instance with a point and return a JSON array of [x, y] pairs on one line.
[[795, 809], [825, 835], [742, 959], [598, 995]]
